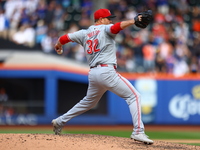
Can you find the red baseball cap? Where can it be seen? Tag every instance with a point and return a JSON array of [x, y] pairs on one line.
[[103, 13]]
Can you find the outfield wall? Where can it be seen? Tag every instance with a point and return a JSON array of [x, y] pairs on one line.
[[165, 99]]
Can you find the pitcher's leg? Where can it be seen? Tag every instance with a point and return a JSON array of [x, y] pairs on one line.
[[126, 91], [93, 96], [133, 99], [136, 117]]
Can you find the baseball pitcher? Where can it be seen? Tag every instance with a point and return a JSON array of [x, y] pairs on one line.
[[99, 46]]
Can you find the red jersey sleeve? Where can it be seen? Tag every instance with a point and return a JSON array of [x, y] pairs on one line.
[[64, 39], [116, 28]]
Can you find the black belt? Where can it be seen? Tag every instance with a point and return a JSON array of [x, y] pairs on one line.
[[103, 65]]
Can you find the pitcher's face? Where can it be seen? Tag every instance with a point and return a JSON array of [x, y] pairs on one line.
[[106, 20]]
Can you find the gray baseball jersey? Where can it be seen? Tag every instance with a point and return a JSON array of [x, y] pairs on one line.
[[98, 44], [99, 47]]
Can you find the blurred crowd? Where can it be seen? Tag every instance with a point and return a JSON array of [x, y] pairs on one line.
[[170, 44]]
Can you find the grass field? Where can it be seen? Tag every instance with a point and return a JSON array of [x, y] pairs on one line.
[[155, 135]]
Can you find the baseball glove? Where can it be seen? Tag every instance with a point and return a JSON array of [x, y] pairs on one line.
[[146, 17]]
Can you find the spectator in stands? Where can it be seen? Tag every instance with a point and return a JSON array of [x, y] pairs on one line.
[[25, 36], [50, 12], [149, 53], [4, 25], [41, 9], [181, 51], [40, 31], [123, 7], [49, 41], [180, 67], [10, 7], [130, 13], [130, 61], [165, 58], [196, 18], [195, 49], [181, 31], [87, 7], [58, 17], [160, 66], [194, 66], [84, 21], [163, 6], [165, 49], [170, 61], [46, 43]]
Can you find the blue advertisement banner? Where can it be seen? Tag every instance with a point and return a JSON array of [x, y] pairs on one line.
[[179, 102], [164, 102]]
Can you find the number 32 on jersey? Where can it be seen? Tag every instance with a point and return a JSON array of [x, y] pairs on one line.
[[92, 46]]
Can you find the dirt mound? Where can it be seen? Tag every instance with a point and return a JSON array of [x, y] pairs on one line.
[[81, 142]]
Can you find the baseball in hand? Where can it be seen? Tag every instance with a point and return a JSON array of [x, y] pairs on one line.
[[60, 52]]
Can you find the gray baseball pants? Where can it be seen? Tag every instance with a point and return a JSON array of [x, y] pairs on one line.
[[102, 79]]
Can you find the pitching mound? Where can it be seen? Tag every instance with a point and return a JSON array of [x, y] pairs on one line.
[[80, 142]]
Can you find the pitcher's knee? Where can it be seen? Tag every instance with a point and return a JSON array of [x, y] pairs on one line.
[[133, 98], [87, 103]]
